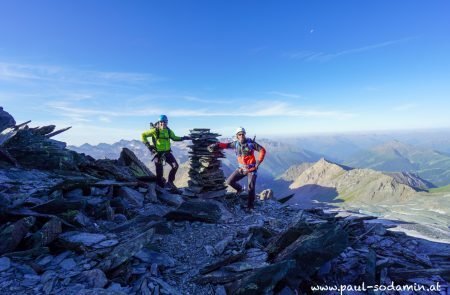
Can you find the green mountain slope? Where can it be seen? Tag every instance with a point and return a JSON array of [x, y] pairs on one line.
[[395, 156]]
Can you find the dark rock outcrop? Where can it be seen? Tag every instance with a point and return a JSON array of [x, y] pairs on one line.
[[196, 210], [6, 120]]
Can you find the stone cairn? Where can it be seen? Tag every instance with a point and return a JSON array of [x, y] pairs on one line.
[[206, 178]]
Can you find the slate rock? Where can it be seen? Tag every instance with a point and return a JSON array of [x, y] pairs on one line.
[[45, 260], [74, 194], [170, 199], [48, 275], [5, 263], [288, 236], [378, 229], [76, 238], [196, 210], [57, 206], [221, 262], [68, 264], [94, 278], [12, 234], [220, 246], [220, 290], [48, 286], [219, 277], [242, 266], [167, 289], [255, 256], [106, 244], [137, 168], [25, 269], [48, 233], [82, 220], [163, 228], [210, 250], [311, 251], [151, 195], [264, 280], [30, 280], [32, 149], [60, 257], [124, 251], [150, 256], [132, 197], [6, 120]]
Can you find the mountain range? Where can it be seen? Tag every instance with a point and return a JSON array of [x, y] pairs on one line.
[[419, 166], [389, 196], [395, 156]]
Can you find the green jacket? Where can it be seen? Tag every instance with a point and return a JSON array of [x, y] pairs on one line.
[[162, 142]]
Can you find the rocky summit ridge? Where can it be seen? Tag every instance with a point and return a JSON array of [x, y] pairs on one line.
[[353, 185], [70, 224]]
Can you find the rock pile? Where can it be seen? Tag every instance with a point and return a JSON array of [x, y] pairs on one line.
[[206, 178]]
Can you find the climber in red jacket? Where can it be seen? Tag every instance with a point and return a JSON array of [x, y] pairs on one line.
[[248, 165]]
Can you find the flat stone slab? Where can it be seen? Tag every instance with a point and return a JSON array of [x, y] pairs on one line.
[[84, 238]]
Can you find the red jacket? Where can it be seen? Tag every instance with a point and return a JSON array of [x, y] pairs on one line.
[[245, 152]]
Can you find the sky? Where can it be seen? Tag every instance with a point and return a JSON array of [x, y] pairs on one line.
[[277, 68]]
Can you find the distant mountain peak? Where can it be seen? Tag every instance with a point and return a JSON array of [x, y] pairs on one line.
[[327, 163], [394, 145], [359, 185]]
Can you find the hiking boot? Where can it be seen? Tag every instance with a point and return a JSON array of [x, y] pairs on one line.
[[159, 188], [172, 187], [239, 192]]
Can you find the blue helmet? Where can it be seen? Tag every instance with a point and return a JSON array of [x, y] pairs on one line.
[[163, 118]]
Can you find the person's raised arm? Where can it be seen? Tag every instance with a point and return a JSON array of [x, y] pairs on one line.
[[174, 137], [221, 145]]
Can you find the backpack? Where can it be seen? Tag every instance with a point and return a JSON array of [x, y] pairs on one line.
[[244, 149], [154, 126]]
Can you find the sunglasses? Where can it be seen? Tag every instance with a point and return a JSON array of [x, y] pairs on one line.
[[240, 134], [163, 122]]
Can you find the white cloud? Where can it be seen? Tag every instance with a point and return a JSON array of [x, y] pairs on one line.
[[261, 109], [104, 119], [67, 75], [323, 57], [64, 109], [284, 94], [207, 101]]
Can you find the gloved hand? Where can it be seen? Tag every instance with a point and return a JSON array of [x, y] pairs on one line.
[[213, 147], [151, 148], [257, 165], [186, 138]]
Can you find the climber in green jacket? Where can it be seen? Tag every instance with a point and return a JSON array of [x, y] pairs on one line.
[[161, 136]]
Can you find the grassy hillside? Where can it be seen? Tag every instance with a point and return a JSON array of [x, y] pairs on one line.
[[395, 156]]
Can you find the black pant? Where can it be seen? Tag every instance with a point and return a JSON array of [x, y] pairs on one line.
[[159, 160], [238, 175]]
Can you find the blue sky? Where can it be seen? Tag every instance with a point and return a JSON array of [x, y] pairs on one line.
[[108, 68]]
